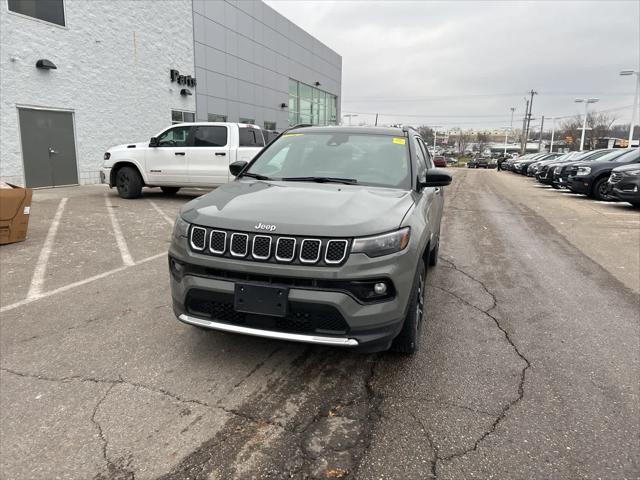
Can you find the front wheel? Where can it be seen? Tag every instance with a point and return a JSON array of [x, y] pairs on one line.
[[600, 190], [433, 255], [129, 182], [408, 338], [170, 190]]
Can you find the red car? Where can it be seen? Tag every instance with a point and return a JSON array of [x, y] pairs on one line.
[[440, 161]]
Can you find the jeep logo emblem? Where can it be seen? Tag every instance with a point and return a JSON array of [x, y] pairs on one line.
[[262, 226]]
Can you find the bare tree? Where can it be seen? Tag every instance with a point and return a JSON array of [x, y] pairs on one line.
[[463, 141], [600, 124], [426, 133], [482, 140]]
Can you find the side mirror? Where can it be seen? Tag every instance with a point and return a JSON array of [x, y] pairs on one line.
[[436, 178], [153, 142], [236, 167]]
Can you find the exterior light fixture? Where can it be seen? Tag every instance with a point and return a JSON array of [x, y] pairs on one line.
[[317, 84], [45, 64], [185, 92], [283, 105]]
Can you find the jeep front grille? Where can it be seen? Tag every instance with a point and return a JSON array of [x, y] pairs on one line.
[[310, 250], [285, 249], [239, 244], [336, 251], [269, 247], [198, 238]]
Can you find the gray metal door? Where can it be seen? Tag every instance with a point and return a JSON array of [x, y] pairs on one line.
[[48, 148]]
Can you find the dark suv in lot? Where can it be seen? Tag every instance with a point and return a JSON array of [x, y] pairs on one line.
[[591, 178], [560, 171], [325, 237], [624, 183]]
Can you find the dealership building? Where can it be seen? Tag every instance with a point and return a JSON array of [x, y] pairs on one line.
[[77, 77]]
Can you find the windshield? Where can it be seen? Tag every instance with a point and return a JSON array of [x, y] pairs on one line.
[[368, 159]]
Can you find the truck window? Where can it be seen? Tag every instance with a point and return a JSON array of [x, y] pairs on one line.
[[251, 137], [175, 137], [210, 137]]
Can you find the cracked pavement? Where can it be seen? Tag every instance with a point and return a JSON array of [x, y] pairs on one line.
[[528, 366]]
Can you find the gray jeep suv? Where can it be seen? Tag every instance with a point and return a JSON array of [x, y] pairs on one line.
[[324, 237]]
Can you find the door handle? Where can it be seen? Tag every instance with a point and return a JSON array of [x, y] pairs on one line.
[[220, 154], [179, 153], [437, 190]]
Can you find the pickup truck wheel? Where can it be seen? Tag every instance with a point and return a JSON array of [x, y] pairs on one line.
[[407, 339], [128, 182], [170, 190]]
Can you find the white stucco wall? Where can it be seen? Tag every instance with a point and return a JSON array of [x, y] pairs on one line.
[[113, 60]]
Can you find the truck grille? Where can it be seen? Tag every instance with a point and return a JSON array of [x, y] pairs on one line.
[[269, 248], [302, 317]]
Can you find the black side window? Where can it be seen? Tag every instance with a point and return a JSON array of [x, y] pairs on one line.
[[421, 160], [175, 137], [251, 137], [425, 150], [50, 10], [210, 137]]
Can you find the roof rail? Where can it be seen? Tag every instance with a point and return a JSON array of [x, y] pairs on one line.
[[301, 125]]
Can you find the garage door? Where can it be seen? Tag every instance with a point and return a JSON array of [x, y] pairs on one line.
[[48, 148]]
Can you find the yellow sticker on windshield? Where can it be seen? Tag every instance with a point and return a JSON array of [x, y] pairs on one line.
[[400, 141], [293, 135]]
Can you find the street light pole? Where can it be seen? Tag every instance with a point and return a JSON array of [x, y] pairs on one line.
[[506, 135], [553, 131], [586, 102], [435, 135], [635, 102]]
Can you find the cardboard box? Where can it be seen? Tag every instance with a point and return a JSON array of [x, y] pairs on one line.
[[15, 207]]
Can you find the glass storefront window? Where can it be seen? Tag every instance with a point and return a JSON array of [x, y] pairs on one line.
[[308, 104], [213, 117]]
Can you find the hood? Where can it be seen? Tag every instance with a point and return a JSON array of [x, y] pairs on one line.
[[128, 146], [301, 208], [627, 168]]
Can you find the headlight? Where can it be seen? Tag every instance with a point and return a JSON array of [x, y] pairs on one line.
[[633, 173], [558, 169], [382, 244], [107, 155], [583, 171], [180, 228]]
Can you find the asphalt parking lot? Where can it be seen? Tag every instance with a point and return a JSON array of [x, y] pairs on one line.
[[529, 364]]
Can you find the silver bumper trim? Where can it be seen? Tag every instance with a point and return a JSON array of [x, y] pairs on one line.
[[294, 337]]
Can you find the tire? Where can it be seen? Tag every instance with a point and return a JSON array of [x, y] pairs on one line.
[[170, 190], [128, 183], [433, 255], [408, 338], [598, 191]]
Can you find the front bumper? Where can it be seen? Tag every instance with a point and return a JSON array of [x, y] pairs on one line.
[[579, 184], [627, 190], [105, 176], [369, 326]]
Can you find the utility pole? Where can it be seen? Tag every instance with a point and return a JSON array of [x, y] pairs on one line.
[[523, 138], [376, 120], [513, 109], [540, 139], [526, 137]]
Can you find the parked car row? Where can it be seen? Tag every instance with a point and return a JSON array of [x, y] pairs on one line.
[[610, 174]]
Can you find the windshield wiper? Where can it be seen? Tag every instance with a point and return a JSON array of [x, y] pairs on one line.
[[348, 181], [257, 176]]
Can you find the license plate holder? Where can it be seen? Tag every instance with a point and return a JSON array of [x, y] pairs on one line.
[[261, 300]]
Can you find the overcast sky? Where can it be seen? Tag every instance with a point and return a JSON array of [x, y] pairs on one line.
[[466, 63]]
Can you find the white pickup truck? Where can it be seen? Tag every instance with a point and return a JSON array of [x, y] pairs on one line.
[[183, 155]]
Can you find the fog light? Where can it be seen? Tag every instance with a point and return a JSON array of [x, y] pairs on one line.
[[380, 288]]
